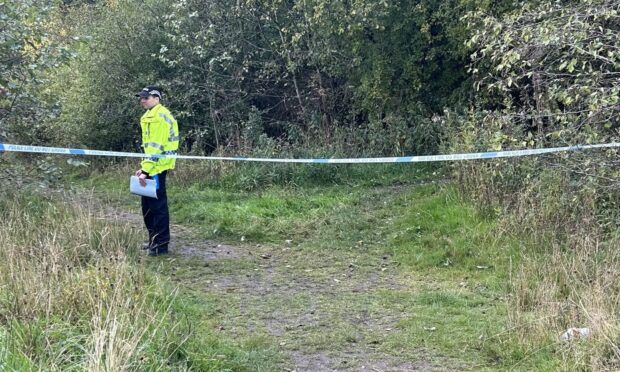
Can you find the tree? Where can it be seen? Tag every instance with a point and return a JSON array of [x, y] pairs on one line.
[[359, 77], [29, 48], [117, 58], [553, 68]]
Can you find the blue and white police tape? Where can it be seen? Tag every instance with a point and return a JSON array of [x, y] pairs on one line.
[[400, 159]]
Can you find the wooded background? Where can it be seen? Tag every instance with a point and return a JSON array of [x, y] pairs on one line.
[[314, 77]]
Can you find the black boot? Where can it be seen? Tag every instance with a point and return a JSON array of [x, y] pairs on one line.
[[158, 251]]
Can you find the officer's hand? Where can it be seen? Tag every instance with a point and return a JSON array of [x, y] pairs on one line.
[[138, 172], [142, 178]]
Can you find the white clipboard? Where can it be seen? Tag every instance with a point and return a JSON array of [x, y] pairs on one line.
[[149, 190]]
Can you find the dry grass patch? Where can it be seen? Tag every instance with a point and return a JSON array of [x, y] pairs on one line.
[[70, 297]]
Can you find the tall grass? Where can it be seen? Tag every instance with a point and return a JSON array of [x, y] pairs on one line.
[[70, 297], [569, 271], [571, 285]]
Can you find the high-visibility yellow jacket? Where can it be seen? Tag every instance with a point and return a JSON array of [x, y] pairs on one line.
[[160, 135]]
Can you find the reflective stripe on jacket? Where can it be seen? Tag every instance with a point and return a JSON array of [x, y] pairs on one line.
[[160, 135]]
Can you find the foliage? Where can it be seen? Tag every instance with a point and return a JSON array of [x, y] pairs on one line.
[[553, 68], [115, 61], [317, 72], [30, 46], [358, 78], [546, 75]]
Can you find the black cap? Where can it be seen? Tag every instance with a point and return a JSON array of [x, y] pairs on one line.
[[150, 90]]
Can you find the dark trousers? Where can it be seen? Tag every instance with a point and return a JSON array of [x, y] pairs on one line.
[[156, 217]]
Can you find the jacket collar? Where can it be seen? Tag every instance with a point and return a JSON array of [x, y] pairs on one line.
[[154, 107]]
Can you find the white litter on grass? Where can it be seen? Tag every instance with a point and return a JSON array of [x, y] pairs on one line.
[[575, 333]]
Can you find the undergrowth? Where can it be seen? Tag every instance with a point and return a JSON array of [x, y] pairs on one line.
[[74, 296], [565, 212], [488, 270]]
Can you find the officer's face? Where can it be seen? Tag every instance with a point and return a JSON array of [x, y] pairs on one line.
[[148, 102]]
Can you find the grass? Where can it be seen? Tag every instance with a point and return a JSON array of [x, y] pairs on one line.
[[74, 297], [266, 217], [398, 273]]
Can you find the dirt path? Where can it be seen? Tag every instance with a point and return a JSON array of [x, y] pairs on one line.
[[326, 311]]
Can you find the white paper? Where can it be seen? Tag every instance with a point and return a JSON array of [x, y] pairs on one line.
[[149, 190]]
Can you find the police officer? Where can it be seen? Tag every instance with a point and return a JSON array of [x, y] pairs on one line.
[[160, 136]]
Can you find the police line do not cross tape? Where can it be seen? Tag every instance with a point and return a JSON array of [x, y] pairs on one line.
[[401, 159]]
